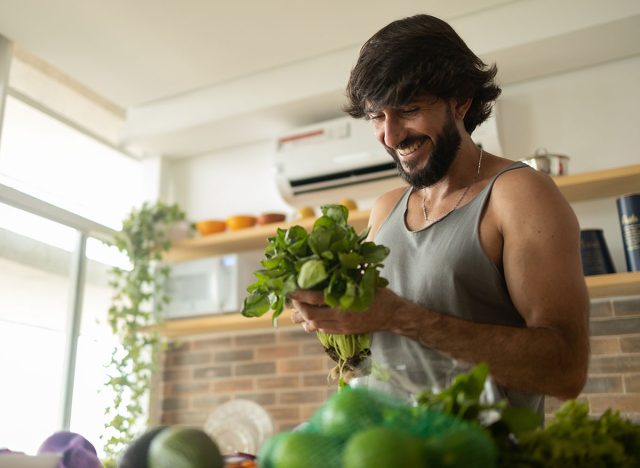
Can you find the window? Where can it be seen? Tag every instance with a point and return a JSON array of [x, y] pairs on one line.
[[56, 167], [43, 157]]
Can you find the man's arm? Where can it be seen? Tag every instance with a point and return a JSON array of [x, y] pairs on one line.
[[544, 277]]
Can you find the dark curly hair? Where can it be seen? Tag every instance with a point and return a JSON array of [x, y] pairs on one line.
[[418, 56]]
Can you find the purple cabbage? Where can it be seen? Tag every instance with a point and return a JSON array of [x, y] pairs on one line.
[[77, 452]]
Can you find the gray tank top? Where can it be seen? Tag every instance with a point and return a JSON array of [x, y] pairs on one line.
[[442, 267]]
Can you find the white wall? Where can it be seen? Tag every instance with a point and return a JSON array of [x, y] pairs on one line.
[[590, 115]]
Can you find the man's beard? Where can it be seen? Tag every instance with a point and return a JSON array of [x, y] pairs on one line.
[[442, 155]]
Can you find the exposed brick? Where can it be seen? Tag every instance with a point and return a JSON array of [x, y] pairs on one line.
[[630, 344], [185, 359], [632, 384], [178, 346], [255, 339], [605, 345], [214, 342], [615, 326], [300, 365], [268, 383], [212, 372], [313, 349], [301, 396], [290, 413], [551, 404], [626, 403], [175, 374], [614, 364], [278, 351], [260, 398], [232, 385], [608, 384], [209, 401], [235, 355], [306, 411], [185, 418], [296, 334], [171, 404], [626, 306], [255, 368], [601, 309], [320, 379], [189, 387], [283, 426]]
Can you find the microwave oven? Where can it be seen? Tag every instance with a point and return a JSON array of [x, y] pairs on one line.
[[212, 285]]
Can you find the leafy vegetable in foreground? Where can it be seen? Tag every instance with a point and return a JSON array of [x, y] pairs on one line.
[[332, 258]]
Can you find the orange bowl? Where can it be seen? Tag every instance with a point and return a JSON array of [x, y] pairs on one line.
[[268, 218], [240, 222], [210, 226]]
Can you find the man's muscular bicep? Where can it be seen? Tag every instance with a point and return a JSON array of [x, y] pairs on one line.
[[541, 252]]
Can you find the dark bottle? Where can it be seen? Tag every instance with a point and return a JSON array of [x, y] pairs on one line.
[[629, 216]]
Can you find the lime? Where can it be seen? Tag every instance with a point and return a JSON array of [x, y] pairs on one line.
[[348, 411], [463, 447], [383, 447], [184, 447], [305, 449]]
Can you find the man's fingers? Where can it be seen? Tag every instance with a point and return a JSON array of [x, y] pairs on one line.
[[308, 297]]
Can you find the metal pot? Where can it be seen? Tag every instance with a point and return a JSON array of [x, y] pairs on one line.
[[552, 164]]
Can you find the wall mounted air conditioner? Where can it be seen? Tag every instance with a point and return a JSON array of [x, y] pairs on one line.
[[325, 162]]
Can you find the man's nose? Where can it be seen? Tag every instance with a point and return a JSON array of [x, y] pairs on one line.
[[393, 132]]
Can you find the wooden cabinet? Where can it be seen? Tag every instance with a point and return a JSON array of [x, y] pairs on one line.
[[578, 187]]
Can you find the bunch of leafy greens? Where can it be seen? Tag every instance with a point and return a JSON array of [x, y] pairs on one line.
[[574, 439], [571, 439], [462, 399], [332, 258]]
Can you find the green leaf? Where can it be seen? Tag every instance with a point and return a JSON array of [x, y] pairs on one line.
[[350, 260], [311, 273], [373, 253], [338, 213], [255, 305], [320, 240]]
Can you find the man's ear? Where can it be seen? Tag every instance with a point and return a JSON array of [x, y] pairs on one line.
[[460, 107]]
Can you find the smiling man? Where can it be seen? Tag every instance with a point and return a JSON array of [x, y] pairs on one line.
[[485, 259]]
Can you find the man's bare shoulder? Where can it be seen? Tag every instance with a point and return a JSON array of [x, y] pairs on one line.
[[382, 208], [525, 193]]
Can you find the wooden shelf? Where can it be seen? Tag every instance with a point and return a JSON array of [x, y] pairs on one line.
[[221, 323], [245, 239], [577, 187], [600, 184], [619, 284]]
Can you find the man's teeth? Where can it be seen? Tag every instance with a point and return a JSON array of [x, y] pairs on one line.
[[411, 148]]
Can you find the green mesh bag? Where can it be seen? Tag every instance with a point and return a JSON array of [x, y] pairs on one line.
[[359, 428]]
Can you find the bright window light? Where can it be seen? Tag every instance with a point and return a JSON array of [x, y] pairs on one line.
[[54, 162]]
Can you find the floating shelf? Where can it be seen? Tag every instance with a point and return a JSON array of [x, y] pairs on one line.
[[577, 187], [245, 239], [600, 184], [619, 284]]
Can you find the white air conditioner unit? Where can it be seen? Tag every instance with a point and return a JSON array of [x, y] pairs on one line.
[[331, 160]]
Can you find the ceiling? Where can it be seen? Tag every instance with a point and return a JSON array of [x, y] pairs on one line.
[[196, 76]]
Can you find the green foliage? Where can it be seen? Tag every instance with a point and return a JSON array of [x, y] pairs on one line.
[[575, 439], [137, 299], [332, 258]]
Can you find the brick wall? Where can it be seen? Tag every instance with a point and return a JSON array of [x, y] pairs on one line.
[[614, 370], [285, 370]]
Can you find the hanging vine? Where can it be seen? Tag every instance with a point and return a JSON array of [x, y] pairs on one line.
[[138, 298]]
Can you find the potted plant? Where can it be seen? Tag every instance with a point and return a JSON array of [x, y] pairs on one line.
[[138, 298]]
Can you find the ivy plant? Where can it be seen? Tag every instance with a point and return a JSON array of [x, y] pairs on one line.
[[138, 298]]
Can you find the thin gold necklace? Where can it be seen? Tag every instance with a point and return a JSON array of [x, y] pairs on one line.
[[425, 211]]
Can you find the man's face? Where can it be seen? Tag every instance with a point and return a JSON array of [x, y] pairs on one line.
[[422, 139]]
